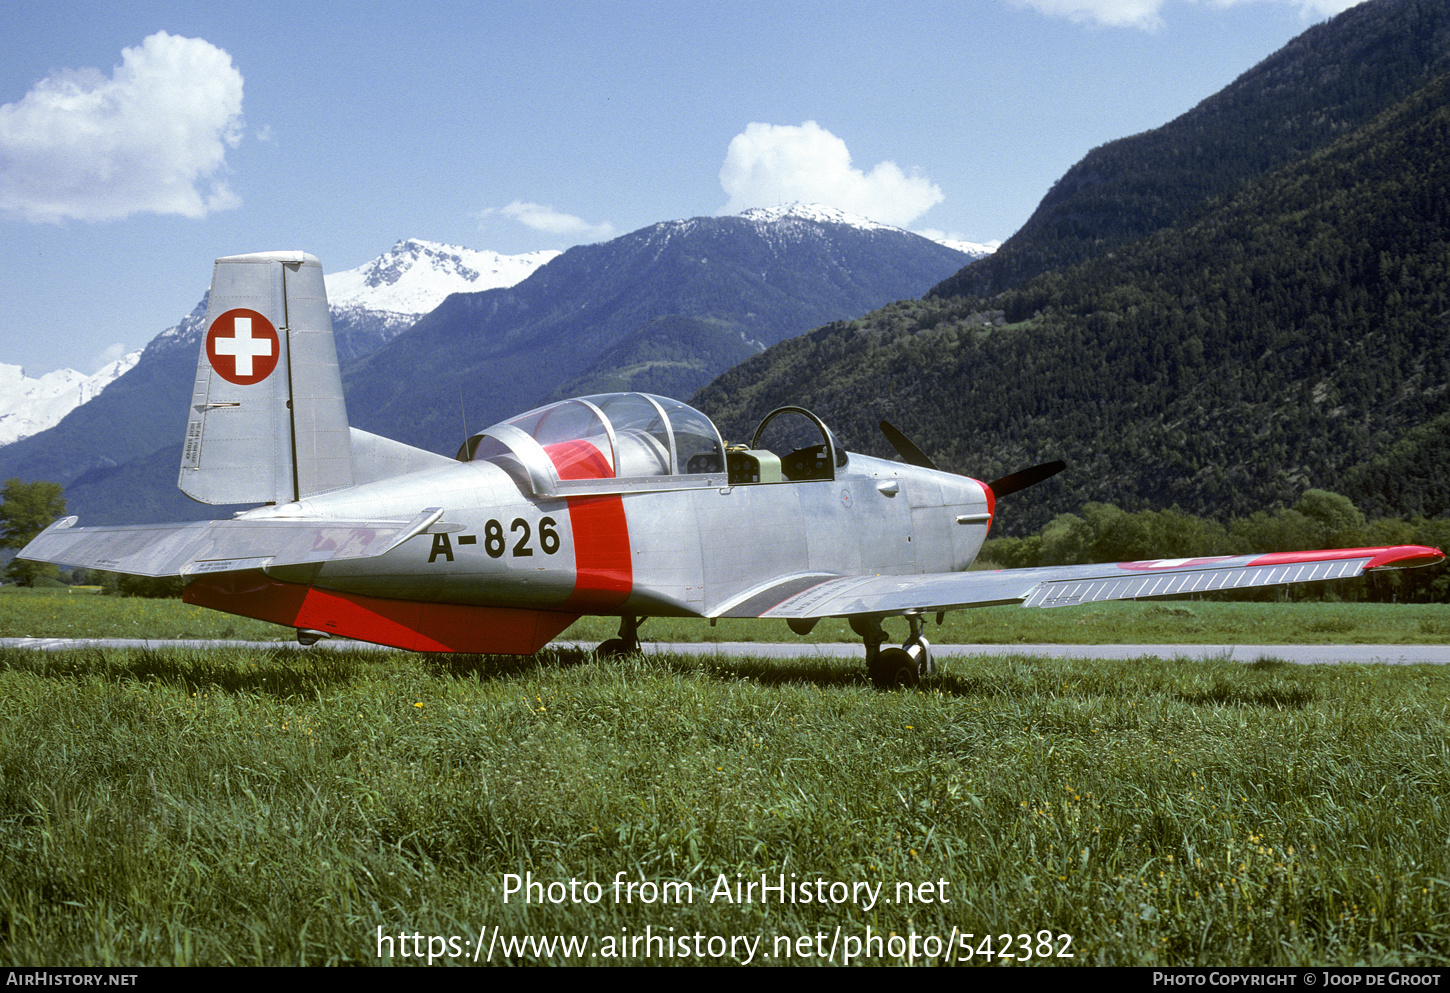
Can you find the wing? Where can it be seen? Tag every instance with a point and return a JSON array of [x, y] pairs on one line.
[[1061, 586], [220, 546]]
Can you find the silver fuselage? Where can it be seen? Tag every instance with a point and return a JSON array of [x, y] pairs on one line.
[[692, 545]]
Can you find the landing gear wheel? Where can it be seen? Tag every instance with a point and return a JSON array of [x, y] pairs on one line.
[[628, 641], [893, 667], [616, 648]]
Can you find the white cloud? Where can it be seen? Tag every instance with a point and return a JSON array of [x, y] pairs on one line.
[[106, 356], [551, 221], [1146, 14], [768, 164], [1109, 13], [85, 146]]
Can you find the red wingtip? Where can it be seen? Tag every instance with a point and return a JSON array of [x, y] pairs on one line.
[[1406, 557], [1391, 557]]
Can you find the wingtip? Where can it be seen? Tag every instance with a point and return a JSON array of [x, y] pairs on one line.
[[1385, 557], [1406, 557]]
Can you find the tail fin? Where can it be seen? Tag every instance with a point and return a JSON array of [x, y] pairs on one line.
[[268, 423]]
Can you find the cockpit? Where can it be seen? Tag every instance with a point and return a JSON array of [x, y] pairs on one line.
[[642, 437], [790, 445]]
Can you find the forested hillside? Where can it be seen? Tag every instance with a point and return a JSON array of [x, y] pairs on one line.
[[1294, 335], [1330, 80]]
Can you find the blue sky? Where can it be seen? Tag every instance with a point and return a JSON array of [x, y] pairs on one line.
[[138, 141]]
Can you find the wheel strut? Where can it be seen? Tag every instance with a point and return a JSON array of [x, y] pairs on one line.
[[917, 646], [871, 632]]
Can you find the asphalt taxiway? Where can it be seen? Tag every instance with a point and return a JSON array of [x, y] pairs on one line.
[[1300, 654]]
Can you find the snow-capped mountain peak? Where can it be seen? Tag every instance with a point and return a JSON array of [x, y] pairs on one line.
[[817, 213], [380, 299], [415, 276], [29, 406], [973, 248]]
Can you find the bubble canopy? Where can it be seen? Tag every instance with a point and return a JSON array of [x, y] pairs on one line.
[[609, 436]]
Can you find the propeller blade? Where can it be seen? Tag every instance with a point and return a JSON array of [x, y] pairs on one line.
[[1010, 483], [1023, 478], [905, 448]]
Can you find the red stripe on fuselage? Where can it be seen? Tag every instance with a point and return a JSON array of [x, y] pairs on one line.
[[603, 561]]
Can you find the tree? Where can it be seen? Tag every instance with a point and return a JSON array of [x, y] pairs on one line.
[[1339, 522], [28, 509]]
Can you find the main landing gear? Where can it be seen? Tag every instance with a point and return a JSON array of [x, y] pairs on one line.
[[628, 641], [891, 667]]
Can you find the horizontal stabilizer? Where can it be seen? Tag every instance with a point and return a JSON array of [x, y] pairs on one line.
[[220, 546]]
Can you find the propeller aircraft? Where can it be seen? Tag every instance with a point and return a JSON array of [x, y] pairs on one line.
[[623, 504]]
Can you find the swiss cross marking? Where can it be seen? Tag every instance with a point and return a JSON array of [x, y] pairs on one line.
[[242, 346]]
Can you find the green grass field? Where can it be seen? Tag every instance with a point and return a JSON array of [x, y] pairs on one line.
[[276, 807], [272, 806], [84, 613]]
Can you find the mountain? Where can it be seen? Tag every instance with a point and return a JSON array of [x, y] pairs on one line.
[[117, 453], [1290, 331], [592, 316], [1332, 79], [670, 356], [376, 301], [29, 406]]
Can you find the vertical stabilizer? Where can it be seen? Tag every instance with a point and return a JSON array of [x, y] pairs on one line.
[[267, 423]]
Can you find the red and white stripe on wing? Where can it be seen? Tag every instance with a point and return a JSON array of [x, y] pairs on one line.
[[1165, 577]]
